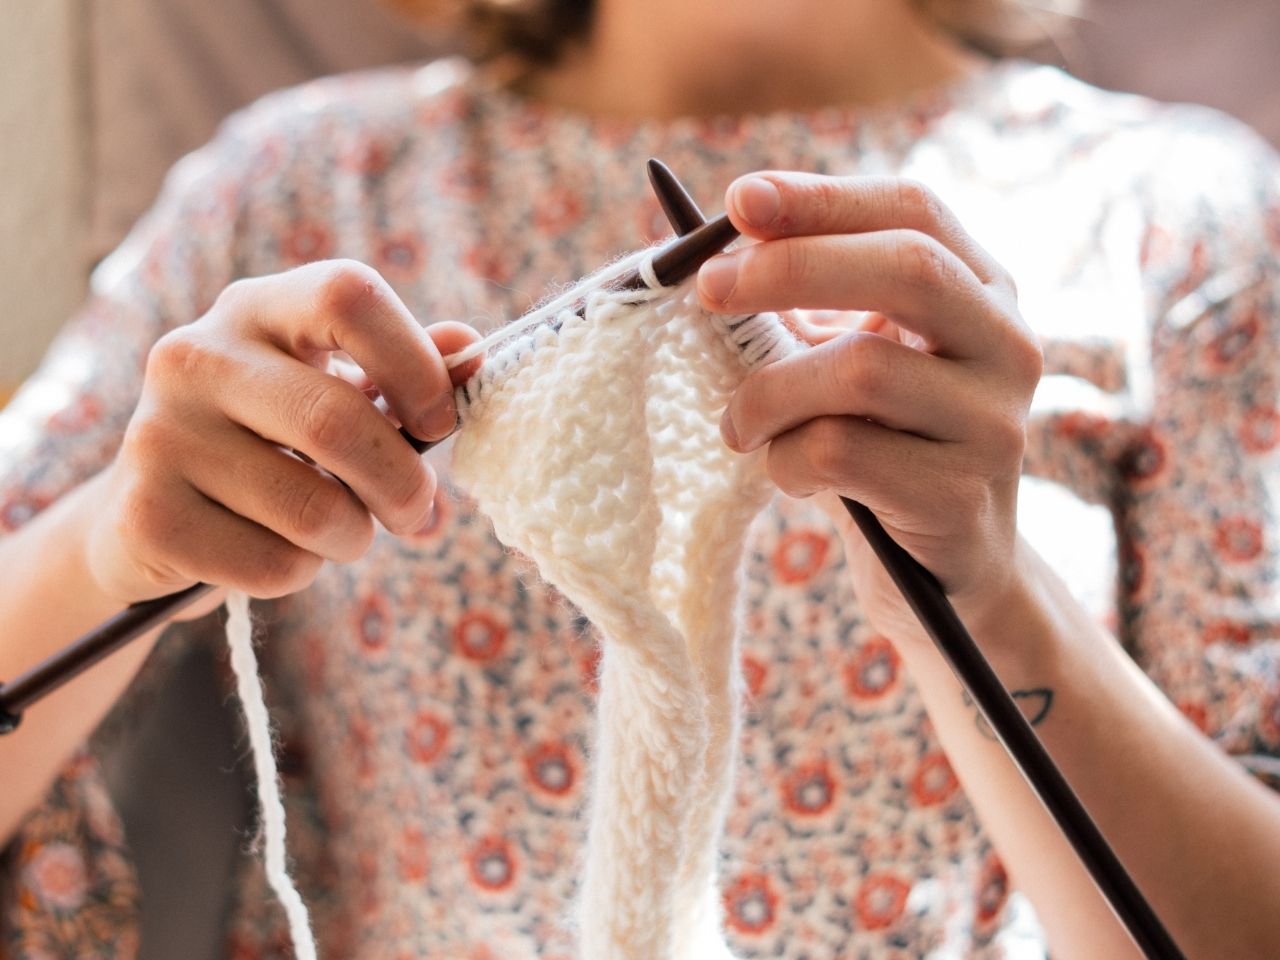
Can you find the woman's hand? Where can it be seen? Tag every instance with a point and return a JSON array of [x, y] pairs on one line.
[[919, 413], [206, 488]]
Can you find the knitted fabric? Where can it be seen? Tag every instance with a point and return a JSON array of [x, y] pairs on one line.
[[593, 444]]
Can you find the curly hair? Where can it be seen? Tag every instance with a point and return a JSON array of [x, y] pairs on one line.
[[538, 31]]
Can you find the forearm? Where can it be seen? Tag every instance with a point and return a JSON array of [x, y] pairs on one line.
[[1199, 836], [47, 599]]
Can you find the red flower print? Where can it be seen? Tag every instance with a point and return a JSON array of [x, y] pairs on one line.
[[374, 624], [589, 668], [426, 737], [750, 904], [873, 670], [57, 875], [551, 769], [1260, 431], [1229, 347], [799, 555], [488, 264], [1270, 722], [492, 864], [556, 211], [1081, 425], [809, 790], [412, 856], [1146, 459], [934, 781], [479, 636], [1225, 631], [465, 181], [360, 745], [20, 508], [993, 891], [369, 157], [1238, 539], [1197, 713], [306, 242], [1133, 568], [880, 901], [367, 870], [754, 671], [85, 412], [400, 257], [442, 108]]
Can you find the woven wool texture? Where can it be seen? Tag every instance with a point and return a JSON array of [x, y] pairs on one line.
[[593, 444]]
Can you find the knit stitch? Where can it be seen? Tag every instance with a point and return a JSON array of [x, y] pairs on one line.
[[592, 442]]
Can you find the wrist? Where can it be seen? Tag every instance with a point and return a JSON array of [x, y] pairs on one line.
[[1011, 619]]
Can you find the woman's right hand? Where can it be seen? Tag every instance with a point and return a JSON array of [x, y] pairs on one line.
[[205, 486]]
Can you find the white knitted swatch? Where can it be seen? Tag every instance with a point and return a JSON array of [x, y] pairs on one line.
[[593, 444]]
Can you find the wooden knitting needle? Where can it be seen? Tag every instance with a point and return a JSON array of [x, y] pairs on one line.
[[677, 261], [927, 599]]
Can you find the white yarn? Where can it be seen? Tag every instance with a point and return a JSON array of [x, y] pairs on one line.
[[249, 688], [592, 442]]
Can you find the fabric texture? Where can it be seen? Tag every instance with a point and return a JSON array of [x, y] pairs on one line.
[[625, 497], [435, 700]]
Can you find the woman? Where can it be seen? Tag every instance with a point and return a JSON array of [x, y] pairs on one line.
[[437, 734]]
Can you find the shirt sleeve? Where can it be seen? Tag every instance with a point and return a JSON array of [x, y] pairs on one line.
[[67, 886], [1198, 497]]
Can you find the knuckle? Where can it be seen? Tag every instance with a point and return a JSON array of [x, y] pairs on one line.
[[824, 199], [284, 570], [348, 289], [923, 263], [141, 517], [795, 262], [358, 543], [863, 366], [148, 440], [324, 414], [1028, 355], [185, 357], [917, 205], [1008, 437], [1005, 281], [236, 297], [826, 449], [318, 508], [412, 504]]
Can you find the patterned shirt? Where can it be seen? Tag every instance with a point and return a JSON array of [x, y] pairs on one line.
[[434, 699]]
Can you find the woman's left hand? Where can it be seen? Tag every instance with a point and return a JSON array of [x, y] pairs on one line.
[[920, 413]]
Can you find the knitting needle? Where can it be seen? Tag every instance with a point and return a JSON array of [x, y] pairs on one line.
[[927, 599], [675, 262]]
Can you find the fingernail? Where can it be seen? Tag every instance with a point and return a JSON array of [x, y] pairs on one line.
[[728, 432], [441, 417], [757, 200], [718, 277]]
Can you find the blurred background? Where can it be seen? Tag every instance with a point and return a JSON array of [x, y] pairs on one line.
[[99, 97]]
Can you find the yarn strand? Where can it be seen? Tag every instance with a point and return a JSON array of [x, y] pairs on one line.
[[249, 688]]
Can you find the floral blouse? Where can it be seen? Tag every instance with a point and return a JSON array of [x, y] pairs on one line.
[[434, 698]]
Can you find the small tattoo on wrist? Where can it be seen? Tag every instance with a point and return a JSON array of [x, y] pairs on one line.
[[1035, 705]]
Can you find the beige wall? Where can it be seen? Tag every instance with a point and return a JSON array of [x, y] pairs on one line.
[[41, 261]]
